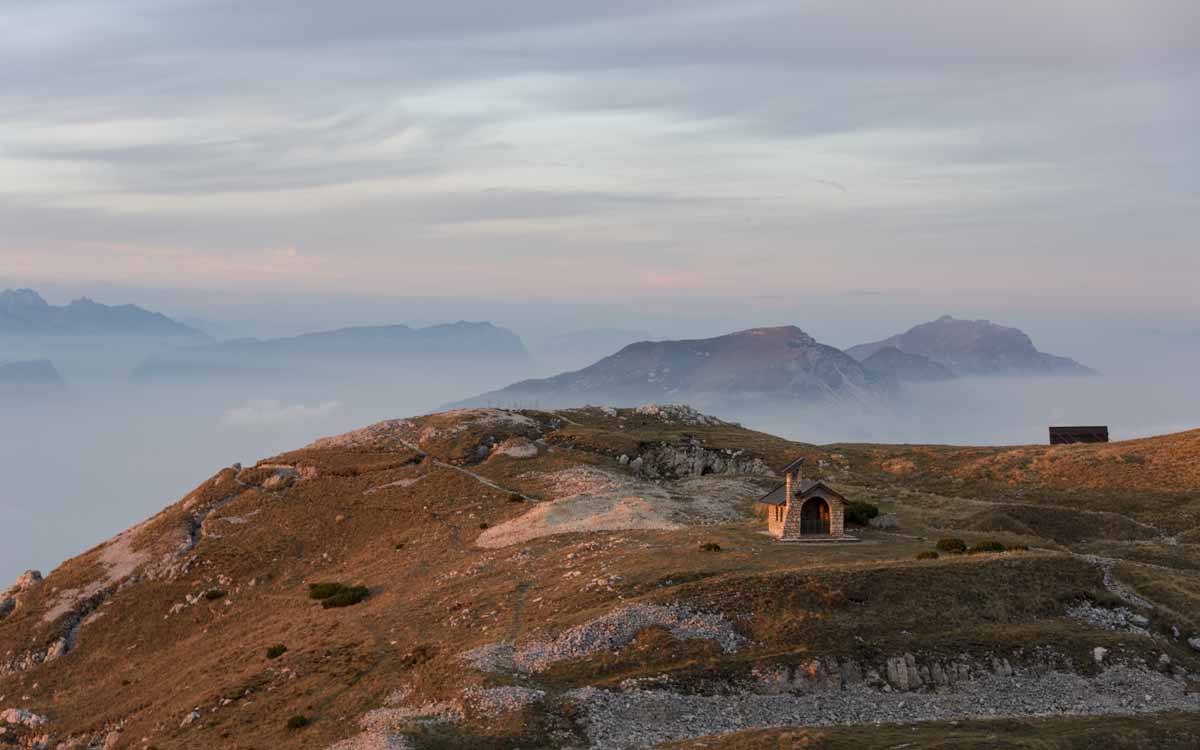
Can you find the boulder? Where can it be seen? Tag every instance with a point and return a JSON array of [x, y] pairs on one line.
[[22, 718], [517, 447], [30, 579]]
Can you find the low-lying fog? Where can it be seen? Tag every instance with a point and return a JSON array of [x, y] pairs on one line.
[[115, 451]]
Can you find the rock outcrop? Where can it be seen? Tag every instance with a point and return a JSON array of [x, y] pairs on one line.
[[10, 598]]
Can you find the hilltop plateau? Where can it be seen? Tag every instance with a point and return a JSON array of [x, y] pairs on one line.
[[598, 578]]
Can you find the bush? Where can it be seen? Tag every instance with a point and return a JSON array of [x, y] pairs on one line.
[[710, 547], [860, 514], [1019, 548], [398, 546], [298, 722], [987, 545], [483, 525], [214, 594], [349, 595], [332, 594], [515, 497], [952, 545], [927, 555], [276, 651], [324, 590]]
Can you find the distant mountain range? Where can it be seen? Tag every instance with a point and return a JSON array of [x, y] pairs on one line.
[[972, 347], [23, 311], [785, 364], [464, 343], [757, 365]]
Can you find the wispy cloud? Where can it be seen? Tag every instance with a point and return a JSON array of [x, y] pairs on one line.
[[871, 143]]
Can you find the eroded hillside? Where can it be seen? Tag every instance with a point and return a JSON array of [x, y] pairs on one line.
[[598, 578]]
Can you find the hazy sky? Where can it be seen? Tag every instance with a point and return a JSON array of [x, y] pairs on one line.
[[605, 150]]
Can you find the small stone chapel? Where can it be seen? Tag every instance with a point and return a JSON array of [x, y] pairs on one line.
[[804, 509]]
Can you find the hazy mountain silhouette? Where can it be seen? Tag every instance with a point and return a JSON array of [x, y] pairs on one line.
[[974, 347], [906, 368], [760, 364], [23, 311], [478, 343]]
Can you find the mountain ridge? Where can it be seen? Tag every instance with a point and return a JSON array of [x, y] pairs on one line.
[[24, 311], [974, 347], [462, 339], [771, 363]]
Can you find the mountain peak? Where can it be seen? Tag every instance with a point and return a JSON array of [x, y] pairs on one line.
[[778, 364], [788, 331], [21, 298], [973, 347]]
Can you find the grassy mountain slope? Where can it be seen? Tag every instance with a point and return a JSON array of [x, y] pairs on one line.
[[540, 579]]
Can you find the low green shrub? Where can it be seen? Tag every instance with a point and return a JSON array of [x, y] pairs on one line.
[[276, 651], [298, 722], [483, 525], [515, 497], [987, 545], [952, 545], [1019, 548], [324, 590], [927, 555], [347, 596], [214, 594], [333, 594], [860, 513], [710, 547]]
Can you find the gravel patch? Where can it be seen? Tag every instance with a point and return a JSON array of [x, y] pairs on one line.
[[393, 719], [497, 701], [374, 741], [1118, 618], [606, 633], [643, 718], [589, 499], [586, 500]]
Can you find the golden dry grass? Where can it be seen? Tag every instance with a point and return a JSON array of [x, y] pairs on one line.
[[362, 520]]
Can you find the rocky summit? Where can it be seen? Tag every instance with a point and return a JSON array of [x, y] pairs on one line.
[[760, 365], [600, 578]]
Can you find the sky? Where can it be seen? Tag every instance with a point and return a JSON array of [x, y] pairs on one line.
[[612, 153]]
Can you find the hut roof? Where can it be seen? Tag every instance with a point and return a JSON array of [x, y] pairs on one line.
[[778, 496]]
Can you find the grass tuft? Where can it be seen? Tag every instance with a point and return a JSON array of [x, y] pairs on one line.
[[298, 722], [985, 546], [952, 545]]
